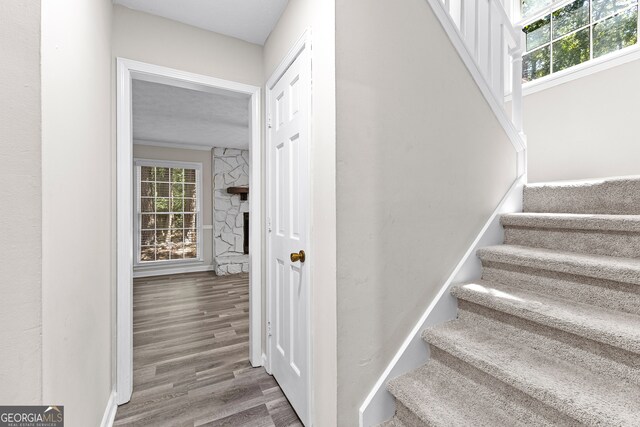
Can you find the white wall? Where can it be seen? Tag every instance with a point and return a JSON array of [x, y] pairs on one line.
[[21, 208], [585, 128], [421, 164], [160, 41], [319, 17], [182, 155], [76, 207]]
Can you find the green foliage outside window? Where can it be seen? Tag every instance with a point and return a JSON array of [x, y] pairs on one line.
[[564, 37]]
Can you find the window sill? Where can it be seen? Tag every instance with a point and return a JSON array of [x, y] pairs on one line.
[[156, 264], [611, 60]]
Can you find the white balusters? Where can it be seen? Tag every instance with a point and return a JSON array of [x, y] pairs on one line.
[[495, 46]]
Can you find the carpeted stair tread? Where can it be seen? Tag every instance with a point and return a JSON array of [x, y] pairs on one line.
[[599, 358], [582, 394], [610, 327], [566, 221], [393, 422], [440, 396], [618, 195], [626, 270]]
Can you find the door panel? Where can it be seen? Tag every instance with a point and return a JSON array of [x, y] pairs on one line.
[[288, 170]]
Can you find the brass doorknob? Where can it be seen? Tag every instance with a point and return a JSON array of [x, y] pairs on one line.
[[298, 256]]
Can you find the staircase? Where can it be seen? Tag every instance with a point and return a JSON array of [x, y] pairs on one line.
[[551, 333]]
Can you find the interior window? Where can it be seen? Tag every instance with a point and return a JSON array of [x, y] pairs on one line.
[[168, 216], [562, 36]]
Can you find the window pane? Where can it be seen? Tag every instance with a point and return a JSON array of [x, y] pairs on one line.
[[177, 205], [615, 33], [177, 190], [189, 205], [189, 221], [529, 6], [162, 189], [177, 251], [162, 204], [603, 8], [571, 50], [162, 253], [190, 250], [148, 222], [177, 221], [162, 221], [190, 191], [147, 189], [162, 237], [190, 236], [147, 205], [147, 173], [189, 175], [176, 237], [162, 174], [147, 237], [570, 17], [177, 175], [538, 33], [536, 64], [147, 254]]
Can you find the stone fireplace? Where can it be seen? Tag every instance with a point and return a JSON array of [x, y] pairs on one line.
[[230, 210]]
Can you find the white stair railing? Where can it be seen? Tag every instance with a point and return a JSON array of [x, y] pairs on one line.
[[491, 46]]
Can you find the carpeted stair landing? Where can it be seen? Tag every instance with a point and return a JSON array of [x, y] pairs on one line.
[[550, 336]]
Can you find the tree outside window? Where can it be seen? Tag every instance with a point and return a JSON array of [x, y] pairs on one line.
[[574, 33]]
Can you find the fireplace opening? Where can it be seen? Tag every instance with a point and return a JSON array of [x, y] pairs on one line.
[[246, 232]]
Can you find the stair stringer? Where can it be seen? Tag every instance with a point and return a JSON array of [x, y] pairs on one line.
[[379, 405]]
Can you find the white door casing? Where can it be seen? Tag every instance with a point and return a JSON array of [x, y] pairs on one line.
[[127, 70], [289, 101]]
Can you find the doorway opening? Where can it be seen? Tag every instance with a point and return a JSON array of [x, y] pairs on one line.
[[171, 210]]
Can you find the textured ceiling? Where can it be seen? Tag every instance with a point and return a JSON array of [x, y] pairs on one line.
[[170, 114], [250, 20]]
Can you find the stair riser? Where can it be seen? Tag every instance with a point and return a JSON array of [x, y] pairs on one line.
[[598, 357], [506, 376], [616, 197], [549, 319], [610, 243], [612, 295], [512, 397], [408, 418]]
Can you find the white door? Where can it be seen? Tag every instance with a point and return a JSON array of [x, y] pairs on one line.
[[288, 171]]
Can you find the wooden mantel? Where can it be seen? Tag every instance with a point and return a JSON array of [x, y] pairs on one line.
[[242, 191]]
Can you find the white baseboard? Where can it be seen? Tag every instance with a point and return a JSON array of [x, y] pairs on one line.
[[110, 411], [379, 404], [173, 270]]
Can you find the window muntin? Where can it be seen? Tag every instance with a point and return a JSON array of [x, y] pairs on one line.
[[576, 32], [168, 220]]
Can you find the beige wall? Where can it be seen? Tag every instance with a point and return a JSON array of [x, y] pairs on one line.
[[586, 128], [181, 155], [76, 207], [160, 41], [21, 209], [421, 165], [319, 17]]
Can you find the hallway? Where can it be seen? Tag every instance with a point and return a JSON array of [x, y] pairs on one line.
[[191, 365]]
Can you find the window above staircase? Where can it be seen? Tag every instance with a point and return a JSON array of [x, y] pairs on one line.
[[567, 39]]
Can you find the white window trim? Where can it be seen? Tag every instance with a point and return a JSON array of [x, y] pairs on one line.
[[137, 164], [592, 66], [605, 62]]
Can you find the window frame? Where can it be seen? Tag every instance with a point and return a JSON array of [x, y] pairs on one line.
[[588, 67], [137, 213]]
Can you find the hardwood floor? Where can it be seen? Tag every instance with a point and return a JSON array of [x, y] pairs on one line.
[[191, 357]]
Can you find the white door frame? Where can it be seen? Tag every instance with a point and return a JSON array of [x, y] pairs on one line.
[[126, 71], [303, 44]]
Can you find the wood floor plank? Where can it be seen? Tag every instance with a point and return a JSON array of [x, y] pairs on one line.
[[191, 357]]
